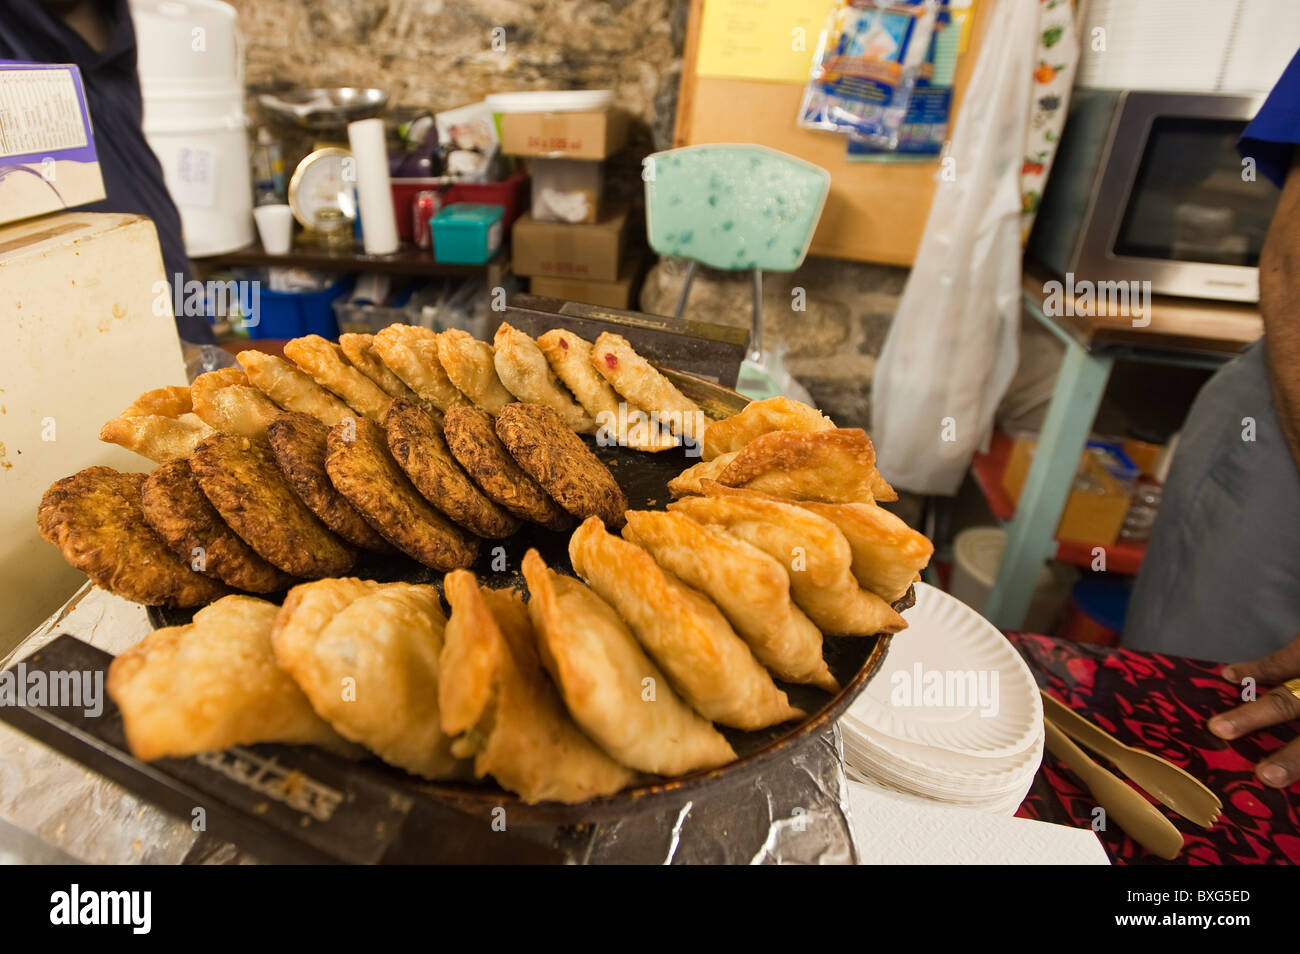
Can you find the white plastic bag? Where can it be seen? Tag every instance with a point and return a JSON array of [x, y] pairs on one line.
[[951, 350]]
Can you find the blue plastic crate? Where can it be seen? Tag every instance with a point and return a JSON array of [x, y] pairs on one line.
[[294, 314]]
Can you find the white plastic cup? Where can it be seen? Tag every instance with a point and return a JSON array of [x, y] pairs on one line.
[[275, 227]]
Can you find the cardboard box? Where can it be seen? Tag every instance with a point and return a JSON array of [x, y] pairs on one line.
[[564, 135], [1098, 501], [48, 160], [609, 294], [559, 250], [89, 328]]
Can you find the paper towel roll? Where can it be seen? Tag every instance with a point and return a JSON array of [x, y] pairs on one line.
[[374, 191]]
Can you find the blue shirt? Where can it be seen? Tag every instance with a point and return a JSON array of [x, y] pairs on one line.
[[1275, 130]]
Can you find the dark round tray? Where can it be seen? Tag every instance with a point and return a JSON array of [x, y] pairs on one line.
[[853, 660]]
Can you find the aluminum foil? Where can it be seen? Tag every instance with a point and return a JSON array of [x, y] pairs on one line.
[[795, 812]]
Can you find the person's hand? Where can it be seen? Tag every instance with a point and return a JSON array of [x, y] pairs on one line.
[[1273, 708]]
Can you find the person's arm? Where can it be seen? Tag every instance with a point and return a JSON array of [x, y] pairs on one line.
[[1279, 303], [1281, 768]]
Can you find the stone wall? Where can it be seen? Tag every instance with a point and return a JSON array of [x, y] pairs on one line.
[[438, 54]]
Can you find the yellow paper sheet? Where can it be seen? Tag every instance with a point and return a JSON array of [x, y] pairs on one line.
[[760, 39]]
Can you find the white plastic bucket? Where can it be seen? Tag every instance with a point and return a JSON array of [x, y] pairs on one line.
[[205, 165], [168, 104], [192, 41]]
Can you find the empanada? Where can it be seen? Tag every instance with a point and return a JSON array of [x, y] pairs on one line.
[[411, 352], [812, 550], [523, 370], [290, 388], [212, 684], [751, 588], [687, 483], [682, 631], [611, 687], [470, 366], [570, 358], [633, 377], [501, 708], [759, 418], [366, 655], [360, 351], [887, 553], [325, 362], [836, 466], [159, 424], [225, 400]]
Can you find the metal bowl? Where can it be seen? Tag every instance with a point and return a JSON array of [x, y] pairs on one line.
[[324, 108]]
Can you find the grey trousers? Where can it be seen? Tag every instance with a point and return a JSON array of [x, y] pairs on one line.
[[1221, 576]]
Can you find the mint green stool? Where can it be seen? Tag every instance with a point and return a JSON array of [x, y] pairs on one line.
[[736, 207]]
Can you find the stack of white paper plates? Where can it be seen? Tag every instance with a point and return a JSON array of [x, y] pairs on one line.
[[953, 715]]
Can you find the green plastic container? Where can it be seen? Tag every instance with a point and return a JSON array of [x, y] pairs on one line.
[[467, 233]]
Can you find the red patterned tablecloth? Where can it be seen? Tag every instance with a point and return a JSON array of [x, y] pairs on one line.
[[1161, 704]]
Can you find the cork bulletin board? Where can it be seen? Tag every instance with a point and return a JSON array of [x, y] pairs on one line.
[[875, 211]]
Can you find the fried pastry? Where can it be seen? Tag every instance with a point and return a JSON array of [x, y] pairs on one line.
[[682, 631], [290, 388], [241, 479], [212, 684], [633, 377], [561, 462], [361, 468], [570, 358], [470, 366], [750, 587], [175, 507], [501, 708], [687, 483], [759, 418], [420, 450], [811, 549], [524, 371], [225, 400], [324, 361], [472, 439], [298, 442], [360, 352], [613, 690], [366, 656], [887, 553], [160, 425], [411, 352], [95, 520], [836, 466]]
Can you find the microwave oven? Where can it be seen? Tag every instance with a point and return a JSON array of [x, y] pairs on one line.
[[1148, 186]]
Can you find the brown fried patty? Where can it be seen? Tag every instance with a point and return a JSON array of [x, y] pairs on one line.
[[362, 470], [298, 442], [420, 450], [175, 507], [241, 479], [561, 462], [472, 438], [95, 520]]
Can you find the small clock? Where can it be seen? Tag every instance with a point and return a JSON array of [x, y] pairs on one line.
[[325, 179]]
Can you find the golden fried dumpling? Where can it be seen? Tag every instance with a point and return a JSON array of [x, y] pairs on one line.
[[225, 400], [682, 631], [523, 370], [751, 588], [411, 352], [329, 367], [687, 483], [613, 690], [836, 466], [759, 418], [160, 425], [637, 380], [211, 684], [470, 365], [366, 655], [812, 550], [359, 349], [887, 553], [498, 704], [292, 389]]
